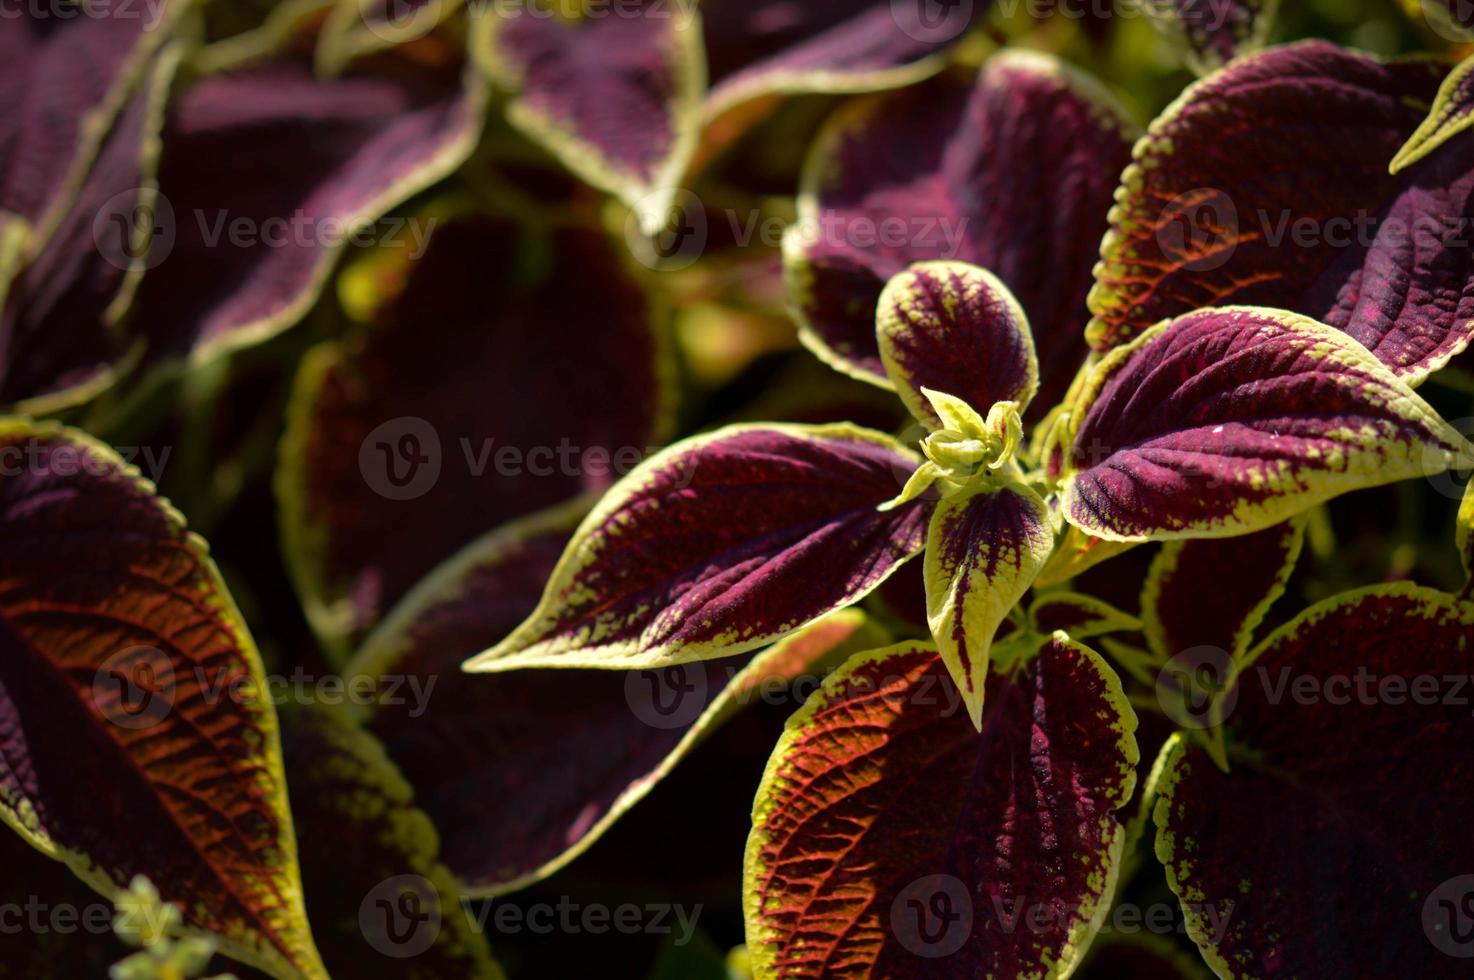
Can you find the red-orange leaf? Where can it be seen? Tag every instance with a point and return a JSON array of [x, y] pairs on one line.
[[136, 735], [892, 839]]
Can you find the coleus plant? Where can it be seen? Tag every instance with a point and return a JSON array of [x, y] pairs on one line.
[[958, 803], [1221, 422]]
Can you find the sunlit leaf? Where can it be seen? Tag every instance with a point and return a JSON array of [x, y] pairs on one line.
[[891, 839], [1230, 420], [1267, 184], [721, 545]]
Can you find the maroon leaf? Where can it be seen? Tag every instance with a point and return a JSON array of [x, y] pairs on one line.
[[1268, 185], [1348, 731], [59, 337], [720, 545], [384, 475], [365, 849], [954, 328], [1229, 421], [1014, 174], [758, 47], [891, 839], [49, 131], [615, 95], [237, 257]]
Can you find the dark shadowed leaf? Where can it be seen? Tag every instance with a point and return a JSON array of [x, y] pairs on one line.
[[721, 545], [380, 902], [44, 893], [1350, 728], [1228, 421], [1081, 616], [237, 258], [1013, 173], [124, 663], [891, 839], [1216, 592], [64, 78], [59, 337], [1268, 185], [1141, 956], [570, 751], [465, 405]]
